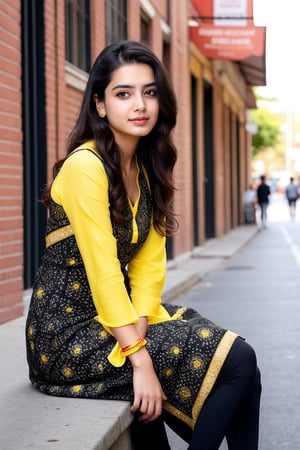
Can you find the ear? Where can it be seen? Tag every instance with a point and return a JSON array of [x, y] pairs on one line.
[[99, 106]]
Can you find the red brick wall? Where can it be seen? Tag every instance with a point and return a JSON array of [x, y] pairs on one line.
[[74, 98], [183, 241], [97, 27], [11, 163], [219, 160], [134, 21], [56, 107]]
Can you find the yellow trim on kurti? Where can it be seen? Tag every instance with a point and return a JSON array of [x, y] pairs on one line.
[[58, 235], [134, 208], [208, 381], [135, 230]]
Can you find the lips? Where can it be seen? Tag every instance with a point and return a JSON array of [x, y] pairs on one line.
[[139, 120]]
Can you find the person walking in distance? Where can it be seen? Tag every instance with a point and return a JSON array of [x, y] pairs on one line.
[[263, 193], [249, 201], [291, 193], [96, 326]]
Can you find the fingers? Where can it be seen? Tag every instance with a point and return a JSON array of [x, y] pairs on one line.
[[136, 404], [150, 409]]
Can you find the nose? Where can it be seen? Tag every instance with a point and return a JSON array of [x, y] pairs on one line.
[[139, 103]]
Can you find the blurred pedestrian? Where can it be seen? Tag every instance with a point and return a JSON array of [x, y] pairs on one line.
[[249, 201], [263, 194], [292, 193]]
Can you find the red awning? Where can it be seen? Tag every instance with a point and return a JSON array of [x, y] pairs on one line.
[[254, 70]]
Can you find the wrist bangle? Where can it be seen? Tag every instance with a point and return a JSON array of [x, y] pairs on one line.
[[133, 344], [133, 347]]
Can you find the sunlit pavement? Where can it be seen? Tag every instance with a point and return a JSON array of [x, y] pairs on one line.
[[278, 210], [256, 293]]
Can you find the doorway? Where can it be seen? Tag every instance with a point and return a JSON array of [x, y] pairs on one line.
[[195, 175], [34, 135], [209, 162]]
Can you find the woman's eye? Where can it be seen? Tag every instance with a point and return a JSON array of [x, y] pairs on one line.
[[123, 94], [151, 92]]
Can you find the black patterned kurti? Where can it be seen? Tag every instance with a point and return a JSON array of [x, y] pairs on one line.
[[67, 349]]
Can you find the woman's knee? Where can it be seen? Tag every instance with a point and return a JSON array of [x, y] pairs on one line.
[[257, 385], [242, 361]]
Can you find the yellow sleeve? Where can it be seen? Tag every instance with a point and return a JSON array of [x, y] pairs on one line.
[[147, 273], [81, 188]]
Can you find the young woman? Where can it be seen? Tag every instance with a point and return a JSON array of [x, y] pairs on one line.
[[96, 327]]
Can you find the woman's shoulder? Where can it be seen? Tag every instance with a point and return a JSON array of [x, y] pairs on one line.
[[83, 161], [85, 154], [86, 149]]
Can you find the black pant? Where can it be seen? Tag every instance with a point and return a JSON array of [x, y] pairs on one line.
[[231, 410]]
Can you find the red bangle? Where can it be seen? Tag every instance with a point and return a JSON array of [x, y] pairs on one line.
[[133, 344]]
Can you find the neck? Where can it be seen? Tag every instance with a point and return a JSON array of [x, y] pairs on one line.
[[128, 163], [127, 145], [128, 156]]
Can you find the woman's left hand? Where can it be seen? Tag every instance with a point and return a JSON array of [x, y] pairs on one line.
[[148, 393]]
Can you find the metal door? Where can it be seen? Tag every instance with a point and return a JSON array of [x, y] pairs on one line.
[[34, 134], [209, 162]]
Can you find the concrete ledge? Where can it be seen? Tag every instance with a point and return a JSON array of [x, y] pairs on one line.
[[31, 420]]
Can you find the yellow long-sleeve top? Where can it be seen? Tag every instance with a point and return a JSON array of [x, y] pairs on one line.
[[81, 188]]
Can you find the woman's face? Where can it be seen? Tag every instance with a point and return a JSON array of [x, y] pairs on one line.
[[131, 104]]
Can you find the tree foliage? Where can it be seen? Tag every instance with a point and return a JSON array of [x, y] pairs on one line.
[[268, 130]]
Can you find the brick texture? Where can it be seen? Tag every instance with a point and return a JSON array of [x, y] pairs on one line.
[[11, 163]]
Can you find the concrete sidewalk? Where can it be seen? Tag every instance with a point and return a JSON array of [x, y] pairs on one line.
[[36, 421], [190, 269]]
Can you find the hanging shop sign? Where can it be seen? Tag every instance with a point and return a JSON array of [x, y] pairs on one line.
[[231, 43]]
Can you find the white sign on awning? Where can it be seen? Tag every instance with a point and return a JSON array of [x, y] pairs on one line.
[[230, 8]]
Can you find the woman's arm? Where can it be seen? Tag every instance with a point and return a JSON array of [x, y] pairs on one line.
[[81, 187], [147, 273]]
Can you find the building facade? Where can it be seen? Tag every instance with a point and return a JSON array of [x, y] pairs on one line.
[[47, 48]]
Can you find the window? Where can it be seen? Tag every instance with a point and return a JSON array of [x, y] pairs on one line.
[[116, 20], [145, 29], [77, 29], [166, 54]]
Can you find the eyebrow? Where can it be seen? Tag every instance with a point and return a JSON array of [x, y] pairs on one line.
[[128, 86]]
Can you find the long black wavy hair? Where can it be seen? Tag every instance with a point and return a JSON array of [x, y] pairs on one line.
[[156, 150]]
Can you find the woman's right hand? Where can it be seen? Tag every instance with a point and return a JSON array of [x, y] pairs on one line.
[[148, 393]]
